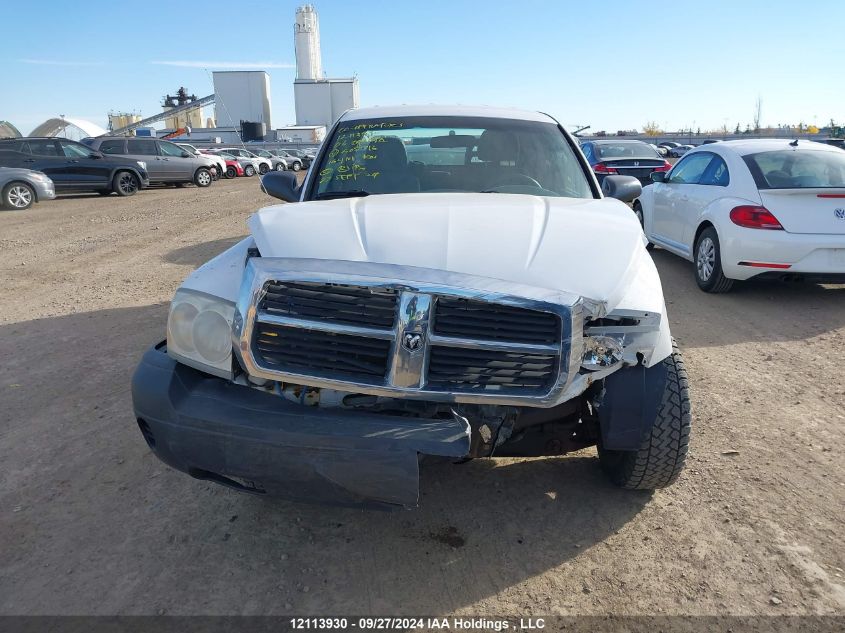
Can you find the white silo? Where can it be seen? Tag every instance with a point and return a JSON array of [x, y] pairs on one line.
[[309, 63]]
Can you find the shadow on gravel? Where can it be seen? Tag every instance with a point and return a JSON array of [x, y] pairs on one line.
[[756, 311], [198, 254], [101, 526]]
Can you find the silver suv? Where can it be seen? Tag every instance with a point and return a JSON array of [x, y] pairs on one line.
[[166, 161]]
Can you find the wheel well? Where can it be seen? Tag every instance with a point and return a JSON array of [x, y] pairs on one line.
[[22, 182], [701, 227]]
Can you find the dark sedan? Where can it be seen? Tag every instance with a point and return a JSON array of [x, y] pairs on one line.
[[624, 158]]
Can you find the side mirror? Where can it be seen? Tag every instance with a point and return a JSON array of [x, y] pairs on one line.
[[658, 176], [185, 155], [624, 188], [95, 155], [281, 185]]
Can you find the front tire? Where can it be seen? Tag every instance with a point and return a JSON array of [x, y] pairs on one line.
[[708, 263], [18, 196], [297, 166], [231, 172], [280, 167], [249, 170], [660, 458], [638, 211], [202, 178], [125, 183], [263, 169]]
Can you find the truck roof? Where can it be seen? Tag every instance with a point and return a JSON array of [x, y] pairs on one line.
[[384, 112]]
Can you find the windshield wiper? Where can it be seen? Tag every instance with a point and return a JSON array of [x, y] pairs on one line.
[[352, 193]]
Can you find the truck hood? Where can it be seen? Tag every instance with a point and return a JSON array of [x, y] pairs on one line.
[[592, 248]]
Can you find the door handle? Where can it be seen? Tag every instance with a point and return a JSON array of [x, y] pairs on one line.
[[29, 160]]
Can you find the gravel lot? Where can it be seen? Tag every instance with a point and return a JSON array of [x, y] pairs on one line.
[[92, 523]]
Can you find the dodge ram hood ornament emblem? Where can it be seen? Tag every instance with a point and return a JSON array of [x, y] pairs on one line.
[[412, 341]]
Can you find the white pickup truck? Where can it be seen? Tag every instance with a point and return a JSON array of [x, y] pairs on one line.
[[445, 281]]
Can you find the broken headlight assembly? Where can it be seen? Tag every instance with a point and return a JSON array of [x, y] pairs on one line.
[[602, 351], [199, 332]]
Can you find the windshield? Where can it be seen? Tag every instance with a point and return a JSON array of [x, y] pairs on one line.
[[797, 169], [455, 154], [625, 149]]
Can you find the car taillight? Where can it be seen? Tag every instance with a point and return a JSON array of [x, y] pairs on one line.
[[752, 217], [601, 168], [666, 166]]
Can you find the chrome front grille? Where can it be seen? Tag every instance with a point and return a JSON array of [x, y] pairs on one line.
[[433, 341]]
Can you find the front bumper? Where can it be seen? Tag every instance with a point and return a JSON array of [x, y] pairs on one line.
[[44, 190], [260, 443]]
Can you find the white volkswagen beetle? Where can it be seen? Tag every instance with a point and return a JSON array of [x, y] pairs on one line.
[[446, 281], [764, 208]]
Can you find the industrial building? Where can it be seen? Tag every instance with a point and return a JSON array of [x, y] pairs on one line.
[[318, 100], [242, 95]]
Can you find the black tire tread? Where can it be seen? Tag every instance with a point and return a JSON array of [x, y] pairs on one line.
[[660, 459], [718, 283]]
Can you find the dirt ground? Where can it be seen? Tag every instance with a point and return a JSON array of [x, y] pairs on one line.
[[92, 523]]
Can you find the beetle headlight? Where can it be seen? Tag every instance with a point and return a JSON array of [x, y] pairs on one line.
[[199, 332]]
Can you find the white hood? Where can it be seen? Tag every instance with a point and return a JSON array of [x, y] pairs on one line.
[[592, 248]]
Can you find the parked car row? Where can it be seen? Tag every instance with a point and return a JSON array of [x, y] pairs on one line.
[[70, 166]]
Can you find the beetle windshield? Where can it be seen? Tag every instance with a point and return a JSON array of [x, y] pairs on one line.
[[450, 154]]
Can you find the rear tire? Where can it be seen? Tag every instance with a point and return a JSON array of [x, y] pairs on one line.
[[297, 166], [18, 196], [708, 263], [660, 458], [203, 177], [249, 170], [231, 172], [125, 183], [280, 167], [263, 169]]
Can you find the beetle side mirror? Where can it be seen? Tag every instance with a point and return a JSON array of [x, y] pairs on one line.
[[658, 176], [281, 185], [624, 188]]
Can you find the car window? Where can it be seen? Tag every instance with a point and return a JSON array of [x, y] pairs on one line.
[[716, 173], [797, 169], [690, 169], [624, 149], [170, 149], [588, 151], [114, 146], [44, 147], [72, 150], [144, 147]]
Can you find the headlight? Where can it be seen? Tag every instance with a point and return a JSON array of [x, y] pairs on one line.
[[199, 332], [142, 164]]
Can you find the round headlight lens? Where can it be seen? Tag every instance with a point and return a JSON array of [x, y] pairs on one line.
[[601, 352], [212, 336], [181, 326]]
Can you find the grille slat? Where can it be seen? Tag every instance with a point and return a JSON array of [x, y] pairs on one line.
[[321, 353], [485, 370], [338, 303], [475, 319]]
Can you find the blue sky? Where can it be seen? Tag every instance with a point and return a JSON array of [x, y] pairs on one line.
[[611, 64]]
